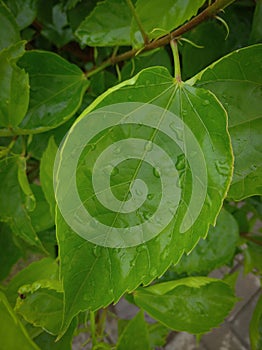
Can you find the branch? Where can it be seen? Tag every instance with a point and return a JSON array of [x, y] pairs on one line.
[[251, 239], [209, 12]]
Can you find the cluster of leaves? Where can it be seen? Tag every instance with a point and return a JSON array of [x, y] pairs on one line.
[[55, 62]]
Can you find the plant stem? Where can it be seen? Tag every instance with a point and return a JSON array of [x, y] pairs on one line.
[[137, 19], [251, 239], [209, 12], [173, 44], [93, 328]]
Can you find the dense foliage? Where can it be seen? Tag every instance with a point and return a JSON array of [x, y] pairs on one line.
[[182, 81]]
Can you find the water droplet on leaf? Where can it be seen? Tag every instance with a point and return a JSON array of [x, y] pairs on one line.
[[156, 172]]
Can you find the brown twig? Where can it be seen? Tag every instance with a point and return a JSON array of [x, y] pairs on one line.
[[209, 12]]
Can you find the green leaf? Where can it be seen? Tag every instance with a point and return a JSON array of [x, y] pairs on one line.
[[159, 19], [55, 24], [41, 217], [12, 332], [56, 91], [253, 253], [70, 3], [42, 307], [39, 142], [46, 174], [13, 202], [47, 341], [157, 334], [45, 269], [14, 87], [77, 14], [9, 252], [158, 57], [256, 32], [215, 44], [135, 335], [214, 251], [94, 276], [193, 304], [105, 27], [9, 32], [255, 327], [24, 11], [24, 184], [236, 80]]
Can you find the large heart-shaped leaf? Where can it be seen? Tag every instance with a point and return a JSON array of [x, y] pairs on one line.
[[191, 129], [193, 304], [236, 79]]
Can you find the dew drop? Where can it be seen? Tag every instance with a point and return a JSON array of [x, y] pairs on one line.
[[108, 169], [156, 172], [115, 171], [205, 103], [138, 192], [178, 131], [146, 215], [148, 146], [150, 196], [117, 150], [92, 146], [181, 162], [222, 167], [96, 251]]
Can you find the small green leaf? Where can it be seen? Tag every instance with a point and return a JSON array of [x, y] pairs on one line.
[[14, 87], [9, 252], [193, 304], [256, 32], [56, 90], [41, 217], [45, 269], [159, 19], [9, 32], [215, 45], [55, 24], [46, 174], [47, 341], [135, 335], [159, 57], [105, 27], [236, 80], [252, 254], [12, 332], [13, 202], [24, 11], [24, 184], [255, 327], [215, 250], [42, 307], [157, 334]]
